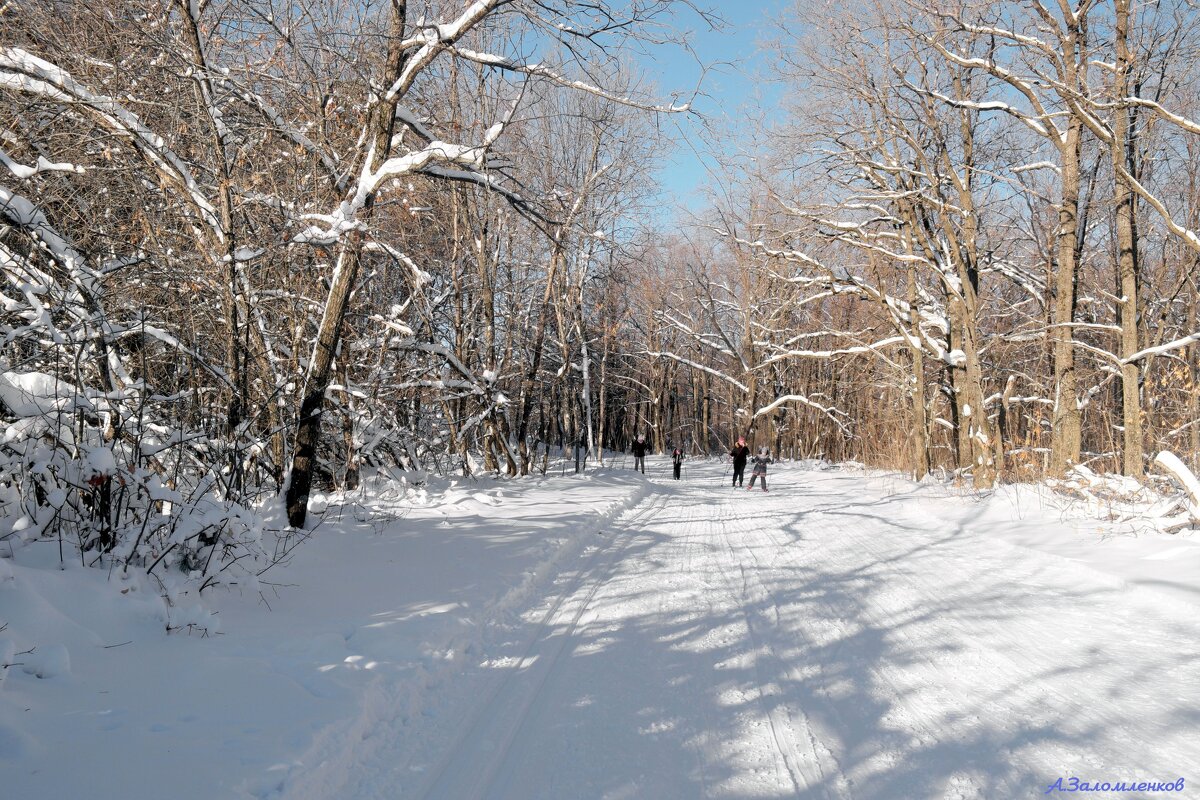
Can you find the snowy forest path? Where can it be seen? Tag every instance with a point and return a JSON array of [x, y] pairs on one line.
[[475, 765], [837, 638]]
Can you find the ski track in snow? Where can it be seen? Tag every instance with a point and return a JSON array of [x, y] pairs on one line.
[[831, 639]]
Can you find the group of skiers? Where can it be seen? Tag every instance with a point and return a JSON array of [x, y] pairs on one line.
[[740, 455], [641, 447]]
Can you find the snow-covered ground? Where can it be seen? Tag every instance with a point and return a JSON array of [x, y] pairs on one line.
[[849, 634]]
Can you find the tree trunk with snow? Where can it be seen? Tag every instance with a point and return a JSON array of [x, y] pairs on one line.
[[345, 277], [920, 424]]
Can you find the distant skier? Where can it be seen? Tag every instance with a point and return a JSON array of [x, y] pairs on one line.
[[639, 454], [677, 460], [739, 455], [760, 468]]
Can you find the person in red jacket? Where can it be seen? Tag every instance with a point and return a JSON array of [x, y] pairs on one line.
[[739, 455]]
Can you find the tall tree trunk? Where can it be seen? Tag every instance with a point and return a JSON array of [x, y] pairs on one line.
[[988, 459], [973, 430], [345, 275], [1132, 463], [1067, 433], [236, 348], [602, 412], [1193, 360], [920, 424], [585, 360]]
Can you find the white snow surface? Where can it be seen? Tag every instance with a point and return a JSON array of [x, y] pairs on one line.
[[851, 634]]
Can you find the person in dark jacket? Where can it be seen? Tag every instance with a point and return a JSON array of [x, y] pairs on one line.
[[739, 455], [760, 468], [640, 447], [677, 460]]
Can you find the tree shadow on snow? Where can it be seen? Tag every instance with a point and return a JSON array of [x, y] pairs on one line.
[[879, 656]]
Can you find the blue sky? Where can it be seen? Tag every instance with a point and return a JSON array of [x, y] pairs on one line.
[[731, 88]]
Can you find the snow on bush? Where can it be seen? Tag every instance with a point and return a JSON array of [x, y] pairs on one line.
[[91, 457], [137, 501]]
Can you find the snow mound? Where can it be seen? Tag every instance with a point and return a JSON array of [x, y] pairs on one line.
[[47, 662]]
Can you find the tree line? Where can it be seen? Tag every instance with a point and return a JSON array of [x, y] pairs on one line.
[[968, 242], [251, 247]]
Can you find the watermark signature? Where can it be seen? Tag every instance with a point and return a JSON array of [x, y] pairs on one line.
[[1076, 785]]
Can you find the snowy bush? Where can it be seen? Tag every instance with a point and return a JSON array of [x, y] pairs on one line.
[[143, 499]]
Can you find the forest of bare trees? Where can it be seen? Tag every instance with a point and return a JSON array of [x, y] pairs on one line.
[[969, 243], [251, 248]]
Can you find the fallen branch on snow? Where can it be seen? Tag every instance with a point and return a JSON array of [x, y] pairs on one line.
[[1189, 516]]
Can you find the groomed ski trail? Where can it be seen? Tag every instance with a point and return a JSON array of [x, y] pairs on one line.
[[833, 638], [479, 761]]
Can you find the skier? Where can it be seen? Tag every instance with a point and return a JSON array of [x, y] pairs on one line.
[[760, 468], [639, 453], [677, 460], [739, 455]]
